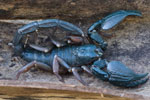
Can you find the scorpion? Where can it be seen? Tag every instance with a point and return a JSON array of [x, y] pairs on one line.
[[74, 58]]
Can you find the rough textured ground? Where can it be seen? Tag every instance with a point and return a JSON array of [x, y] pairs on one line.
[[130, 44]]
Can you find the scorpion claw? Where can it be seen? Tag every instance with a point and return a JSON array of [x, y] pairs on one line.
[[113, 19], [124, 76], [118, 74], [140, 76], [107, 23], [60, 78], [137, 83]]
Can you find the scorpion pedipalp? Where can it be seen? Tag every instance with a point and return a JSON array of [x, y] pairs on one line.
[[118, 74], [107, 23]]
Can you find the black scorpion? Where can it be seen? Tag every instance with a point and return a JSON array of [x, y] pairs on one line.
[[71, 57]]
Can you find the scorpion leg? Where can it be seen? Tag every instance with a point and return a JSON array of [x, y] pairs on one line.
[[74, 39], [57, 60], [49, 23], [74, 30], [57, 42], [85, 68], [56, 68], [54, 39], [70, 39], [77, 76], [40, 48], [30, 65]]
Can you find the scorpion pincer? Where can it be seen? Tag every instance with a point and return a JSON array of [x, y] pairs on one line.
[[87, 57]]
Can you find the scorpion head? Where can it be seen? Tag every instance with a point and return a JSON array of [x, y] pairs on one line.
[[89, 51]]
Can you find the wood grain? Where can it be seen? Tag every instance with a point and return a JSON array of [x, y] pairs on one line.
[[70, 10], [39, 90], [15, 90]]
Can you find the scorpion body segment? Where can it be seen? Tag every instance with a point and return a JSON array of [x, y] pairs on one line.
[[78, 57]]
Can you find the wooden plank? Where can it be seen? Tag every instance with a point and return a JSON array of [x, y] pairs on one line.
[[48, 91], [83, 10]]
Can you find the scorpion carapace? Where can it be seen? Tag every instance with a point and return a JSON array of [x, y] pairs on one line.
[[87, 56]]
